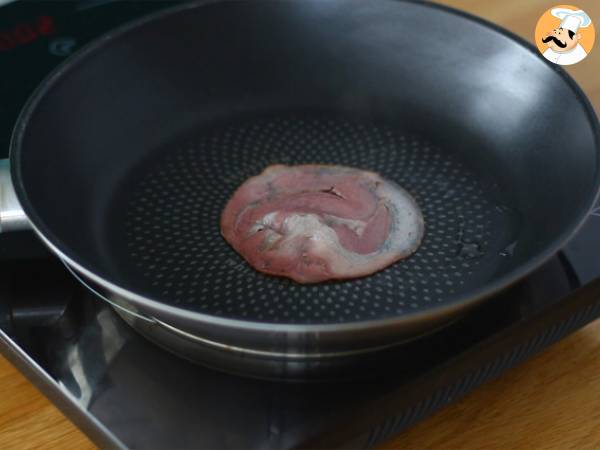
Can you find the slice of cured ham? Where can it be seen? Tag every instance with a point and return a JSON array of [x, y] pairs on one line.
[[318, 222]]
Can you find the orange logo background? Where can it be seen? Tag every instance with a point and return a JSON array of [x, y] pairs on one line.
[[548, 22]]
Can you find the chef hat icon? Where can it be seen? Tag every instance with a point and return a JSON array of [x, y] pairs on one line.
[[571, 19]]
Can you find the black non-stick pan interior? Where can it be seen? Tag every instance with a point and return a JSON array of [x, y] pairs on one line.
[[166, 221], [143, 141]]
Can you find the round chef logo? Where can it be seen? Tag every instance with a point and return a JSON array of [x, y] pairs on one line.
[[565, 35]]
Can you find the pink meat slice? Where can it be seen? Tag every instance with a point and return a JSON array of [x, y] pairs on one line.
[[313, 223]]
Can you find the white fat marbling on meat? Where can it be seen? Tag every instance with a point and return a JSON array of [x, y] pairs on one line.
[[302, 242], [319, 238], [356, 225]]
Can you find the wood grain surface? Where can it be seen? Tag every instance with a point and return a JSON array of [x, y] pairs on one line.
[[551, 401], [29, 421]]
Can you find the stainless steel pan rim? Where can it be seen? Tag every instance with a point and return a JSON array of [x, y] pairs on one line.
[[262, 353], [163, 311]]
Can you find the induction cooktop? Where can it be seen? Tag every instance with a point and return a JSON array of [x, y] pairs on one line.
[[125, 392]]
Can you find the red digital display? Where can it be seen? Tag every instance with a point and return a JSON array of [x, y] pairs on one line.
[[24, 33]]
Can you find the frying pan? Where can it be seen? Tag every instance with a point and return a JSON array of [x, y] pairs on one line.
[[125, 156]]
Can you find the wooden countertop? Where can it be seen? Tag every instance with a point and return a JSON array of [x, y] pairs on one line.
[[552, 400]]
